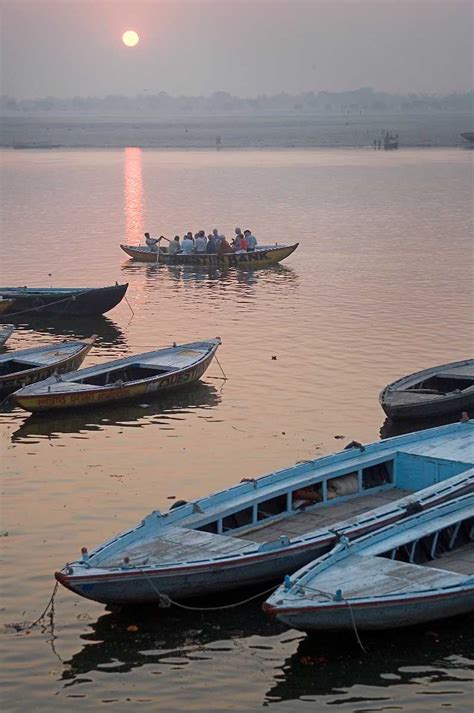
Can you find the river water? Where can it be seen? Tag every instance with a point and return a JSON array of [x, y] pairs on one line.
[[380, 286]]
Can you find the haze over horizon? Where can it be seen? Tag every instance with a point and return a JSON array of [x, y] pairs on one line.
[[66, 48]]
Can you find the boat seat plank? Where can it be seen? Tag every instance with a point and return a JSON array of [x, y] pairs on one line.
[[368, 576], [178, 544], [461, 372]]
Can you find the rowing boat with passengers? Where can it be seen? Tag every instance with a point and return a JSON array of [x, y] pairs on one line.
[[262, 529], [262, 256]]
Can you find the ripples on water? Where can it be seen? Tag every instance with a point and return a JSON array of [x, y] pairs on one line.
[[379, 287]]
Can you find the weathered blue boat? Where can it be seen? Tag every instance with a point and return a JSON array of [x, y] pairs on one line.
[[261, 529], [414, 571], [431, 393]]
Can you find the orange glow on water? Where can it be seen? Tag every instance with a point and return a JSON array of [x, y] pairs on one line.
[[133, 195]]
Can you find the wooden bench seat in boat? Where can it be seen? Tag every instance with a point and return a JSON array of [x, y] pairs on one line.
[[178, 544]]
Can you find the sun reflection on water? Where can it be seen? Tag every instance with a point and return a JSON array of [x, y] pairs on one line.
[[134, 201]]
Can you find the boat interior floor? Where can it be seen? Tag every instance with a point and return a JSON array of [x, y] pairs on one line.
[[460, 560], [308, 520], [362, 575]]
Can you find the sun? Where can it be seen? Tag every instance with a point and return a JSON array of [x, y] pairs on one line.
[[130, 38]]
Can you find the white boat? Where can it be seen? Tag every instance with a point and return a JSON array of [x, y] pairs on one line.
[[261, 529], [433, 392], [414, 571]]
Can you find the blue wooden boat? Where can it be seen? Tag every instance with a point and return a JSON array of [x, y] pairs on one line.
[[74, 301], [414, 571], [261, 529]]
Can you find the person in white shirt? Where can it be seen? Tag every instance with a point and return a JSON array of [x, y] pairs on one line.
[[251, 241], [151, 242], [174, 246], [200, 244], [187, 245]]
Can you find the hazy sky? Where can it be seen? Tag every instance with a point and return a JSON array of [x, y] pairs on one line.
[[66, 48]]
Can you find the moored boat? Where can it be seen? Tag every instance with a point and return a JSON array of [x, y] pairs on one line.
[[6, 331], [262, 256], [135, 376], [64, 300], [27, 366], [430, 393], [411, 572], [262, 529]]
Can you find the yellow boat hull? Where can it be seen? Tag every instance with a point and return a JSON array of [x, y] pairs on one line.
[[241, 260]]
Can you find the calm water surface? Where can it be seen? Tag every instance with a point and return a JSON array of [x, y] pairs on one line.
[[381, 285]]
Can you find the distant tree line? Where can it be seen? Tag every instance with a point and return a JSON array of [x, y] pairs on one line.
[[359, 101]]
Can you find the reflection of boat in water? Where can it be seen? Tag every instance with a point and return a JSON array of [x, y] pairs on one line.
[[389, 429], [162, 637], [199, 396], [209, 275], [326, 665], [262, 256], [106, 330]]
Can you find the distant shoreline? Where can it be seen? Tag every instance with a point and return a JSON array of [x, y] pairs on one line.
[[233, 131]]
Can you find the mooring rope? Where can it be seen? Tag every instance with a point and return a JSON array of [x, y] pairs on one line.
[[167, 601], [50, 604], [223, 372], [49, 304], [331, 596]]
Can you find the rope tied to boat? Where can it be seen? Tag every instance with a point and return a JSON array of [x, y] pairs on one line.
[[49, 304], [166, 602], [26, 626], [220, 367], [337, 597]]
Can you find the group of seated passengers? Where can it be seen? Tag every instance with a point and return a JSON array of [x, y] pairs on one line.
[[212, 244]]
